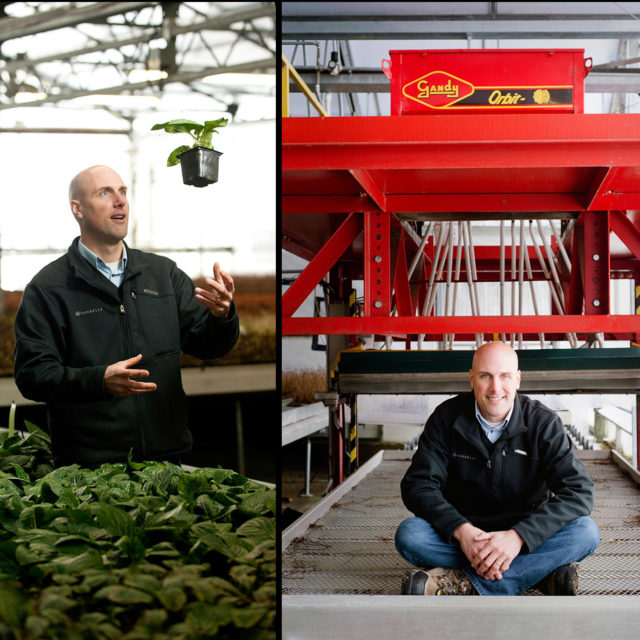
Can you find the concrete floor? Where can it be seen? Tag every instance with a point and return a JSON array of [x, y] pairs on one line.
[[501, 618]]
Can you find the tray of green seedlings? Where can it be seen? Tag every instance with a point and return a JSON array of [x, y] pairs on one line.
[[131, 551]]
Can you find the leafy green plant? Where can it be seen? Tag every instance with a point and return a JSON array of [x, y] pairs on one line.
[[31, 453], [135, 550], [201, 134]]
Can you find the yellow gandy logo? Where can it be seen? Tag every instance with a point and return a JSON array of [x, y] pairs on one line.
[[437, 89]]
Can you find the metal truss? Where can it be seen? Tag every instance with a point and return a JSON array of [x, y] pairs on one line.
[[412, 21], [105, 41]]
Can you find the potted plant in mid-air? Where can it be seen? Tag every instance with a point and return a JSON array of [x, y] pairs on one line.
[[199, 162]]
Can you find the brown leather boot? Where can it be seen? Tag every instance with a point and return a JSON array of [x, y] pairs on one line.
[[561, 582], [437, 582]]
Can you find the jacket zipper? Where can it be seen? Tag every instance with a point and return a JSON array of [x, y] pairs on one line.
[[129, 348], [135, 302]]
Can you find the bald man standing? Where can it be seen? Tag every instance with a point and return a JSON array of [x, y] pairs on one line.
[[99, 333], [501, 503]]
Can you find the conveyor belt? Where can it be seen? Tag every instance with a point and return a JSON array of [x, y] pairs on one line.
[[610, 370], [350, 550]]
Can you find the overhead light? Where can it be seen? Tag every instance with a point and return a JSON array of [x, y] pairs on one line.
[[241, 79], [119, 100], [146, 75], [28, 96]]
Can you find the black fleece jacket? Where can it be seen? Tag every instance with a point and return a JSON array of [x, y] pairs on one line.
[[73, 322], [530, 480]]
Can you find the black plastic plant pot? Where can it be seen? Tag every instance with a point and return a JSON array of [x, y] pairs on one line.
[[199, 166]]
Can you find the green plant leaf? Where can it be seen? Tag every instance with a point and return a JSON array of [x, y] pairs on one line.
[[248, 616], [244, 575], [35, 626], [172, 598], [14, 607], [210, 126], [258, 529], [206, 619], [21, 473], [90, 559], [124, 595], [162, 550], [116, 521], [52, 600], [211, 508], [227, 544], [8, 562], [173, 159], [257, 504], [150, 584], [179, 126]]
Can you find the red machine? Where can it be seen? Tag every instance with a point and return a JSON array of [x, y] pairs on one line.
[[487, 81], [359, 192]]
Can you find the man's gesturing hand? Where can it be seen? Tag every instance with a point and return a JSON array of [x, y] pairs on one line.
[[118, 378], [218, 300], [490, 553]]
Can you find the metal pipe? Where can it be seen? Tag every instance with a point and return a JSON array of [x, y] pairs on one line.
[[475, 278], [554, 273], [418, 254], [448, 286], [599, 336], [307, 471], [410, 232], [533, 293], [432, 276], [443, 259], [467, 260], [513, 276], [474, 272], [440, 265], [552, 266], [571, 337], [521, 276], [567, 231], [563, 251], [502, 335], [457, 276], [470, 260]]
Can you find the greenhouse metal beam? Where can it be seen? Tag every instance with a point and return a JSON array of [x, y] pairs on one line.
[[52, 19], [184, 77], [221, 22]]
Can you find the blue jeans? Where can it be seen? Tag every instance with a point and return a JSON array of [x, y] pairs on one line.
[[418, 542]]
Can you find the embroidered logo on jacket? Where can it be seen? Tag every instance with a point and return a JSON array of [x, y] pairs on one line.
[[87, 312], [464, 456]]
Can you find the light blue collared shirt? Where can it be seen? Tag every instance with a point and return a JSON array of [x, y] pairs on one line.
[[115, 274], [492, 431]]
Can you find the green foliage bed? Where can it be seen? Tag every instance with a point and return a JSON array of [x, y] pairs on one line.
[[131, 551]]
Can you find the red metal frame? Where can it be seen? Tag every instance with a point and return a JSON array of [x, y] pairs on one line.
[[377, 294], [320, 265], [438, 325], [347, 181], [596, 262]]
